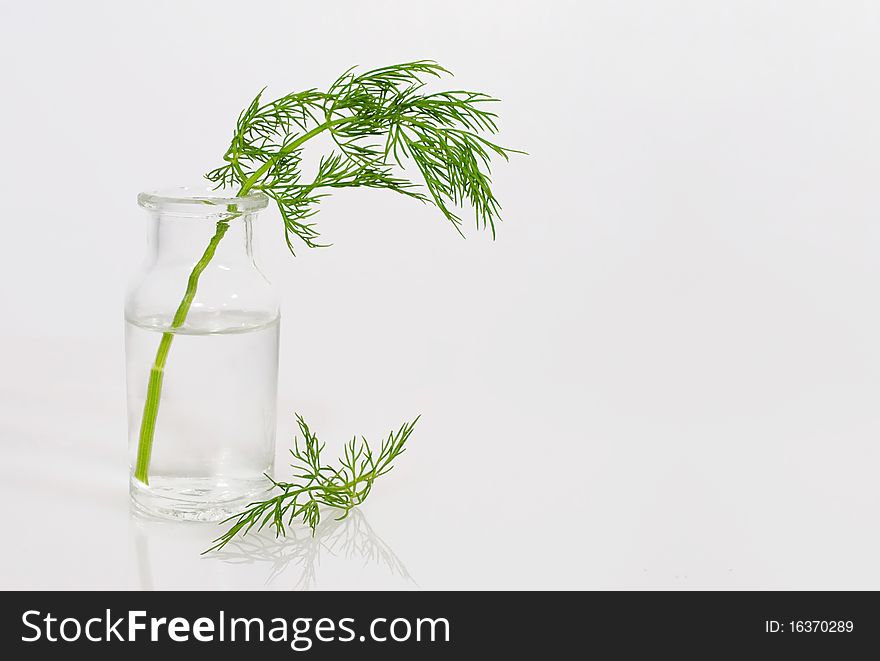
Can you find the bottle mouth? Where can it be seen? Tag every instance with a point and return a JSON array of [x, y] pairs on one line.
[[200, 201]]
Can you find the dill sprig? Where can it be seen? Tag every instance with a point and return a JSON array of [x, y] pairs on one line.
[[380, 121], [316, 485]]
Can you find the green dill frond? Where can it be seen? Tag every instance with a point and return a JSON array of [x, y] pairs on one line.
[[342, 487], [381, 122]]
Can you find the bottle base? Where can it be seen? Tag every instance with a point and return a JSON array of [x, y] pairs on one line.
[[195, 499]]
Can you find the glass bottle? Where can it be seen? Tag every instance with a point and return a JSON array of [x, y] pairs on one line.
[[201, 347]]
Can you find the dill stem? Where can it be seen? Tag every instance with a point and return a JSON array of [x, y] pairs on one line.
[[157, 371]]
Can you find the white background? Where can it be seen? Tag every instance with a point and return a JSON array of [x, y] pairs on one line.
[[664, 373]]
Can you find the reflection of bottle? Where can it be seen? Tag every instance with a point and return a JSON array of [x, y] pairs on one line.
[[142, 551], [167, 556]]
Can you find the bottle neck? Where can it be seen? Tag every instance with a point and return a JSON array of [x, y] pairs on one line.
[[180, 240]]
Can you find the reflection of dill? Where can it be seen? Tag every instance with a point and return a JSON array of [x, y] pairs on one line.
[[351, 538]]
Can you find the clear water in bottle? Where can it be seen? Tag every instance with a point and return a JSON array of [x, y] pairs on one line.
[[215, 430]]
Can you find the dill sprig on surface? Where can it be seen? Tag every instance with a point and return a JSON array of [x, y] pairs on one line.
[[380, 121], [342, 487]]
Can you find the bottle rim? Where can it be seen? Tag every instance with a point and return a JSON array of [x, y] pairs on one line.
[[201, 201]]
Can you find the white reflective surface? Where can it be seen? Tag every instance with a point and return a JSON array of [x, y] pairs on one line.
[[565, 504]]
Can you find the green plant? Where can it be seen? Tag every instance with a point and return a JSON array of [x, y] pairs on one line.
[[319, 485], [379, 121]]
